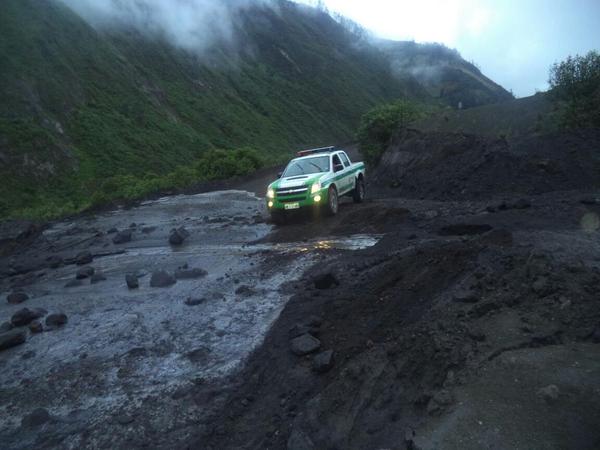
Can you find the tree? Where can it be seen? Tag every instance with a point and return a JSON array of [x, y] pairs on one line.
[[379, 125], [576, 82]]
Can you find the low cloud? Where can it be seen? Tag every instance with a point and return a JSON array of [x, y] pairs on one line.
[[193, 25]]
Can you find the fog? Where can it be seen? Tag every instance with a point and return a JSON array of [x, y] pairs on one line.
[[193, 25], [513, 41]]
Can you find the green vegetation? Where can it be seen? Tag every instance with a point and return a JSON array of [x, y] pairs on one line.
[[379, 125], [576, 83], [90, 116]]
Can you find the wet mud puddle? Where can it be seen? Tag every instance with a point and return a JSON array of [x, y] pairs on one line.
[[122, 346]]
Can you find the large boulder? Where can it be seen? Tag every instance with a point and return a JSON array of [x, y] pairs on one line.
[[132, 281], [12, 339], [25, 316], [15, 298], [323, 362], [178, 235], [56, 320]]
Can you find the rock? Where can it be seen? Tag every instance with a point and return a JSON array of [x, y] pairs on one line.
[[36, 327], [549, 393], [25, 316], [15, 298], [97, 278], [83, 258], [85, 272], [11, 339], [148, 230], [132, 281], [305, 344], [522, 204], [323, 362], [122, 237], [464, 229], [160, 278], [465, 297], [56, 320], [194, 301], [326, 281], [74, 283], [190, 274], [36, 418], [439, 400], [6, 326], [178, 235], [245, 291], [124, 419], [112, 230], [540, 286], [54, 262]]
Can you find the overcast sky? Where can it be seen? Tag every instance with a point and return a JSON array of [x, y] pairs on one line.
[[513, 41]]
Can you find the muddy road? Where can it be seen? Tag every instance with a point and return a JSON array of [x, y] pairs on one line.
[[401, 323]]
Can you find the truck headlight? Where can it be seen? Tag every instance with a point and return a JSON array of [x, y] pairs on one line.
[[315, 188], [271, 193]]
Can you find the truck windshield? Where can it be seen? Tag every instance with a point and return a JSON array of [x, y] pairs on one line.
[[307, 166]]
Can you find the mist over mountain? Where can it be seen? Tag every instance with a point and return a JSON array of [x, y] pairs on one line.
[[97, 89]]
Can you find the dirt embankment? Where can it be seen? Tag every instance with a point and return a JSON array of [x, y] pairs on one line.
[[464, 166]]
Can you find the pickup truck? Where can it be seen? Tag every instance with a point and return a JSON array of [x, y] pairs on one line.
[[316, 179]]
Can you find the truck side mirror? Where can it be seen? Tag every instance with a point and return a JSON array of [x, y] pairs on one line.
[[279, 175]]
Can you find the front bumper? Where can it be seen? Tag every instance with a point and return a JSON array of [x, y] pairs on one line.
[[297, 202]]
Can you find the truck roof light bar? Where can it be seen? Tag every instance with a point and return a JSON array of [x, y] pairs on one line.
[[316, 150]]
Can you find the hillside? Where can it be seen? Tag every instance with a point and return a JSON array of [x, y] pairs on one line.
[[443, 73], [80, 105]]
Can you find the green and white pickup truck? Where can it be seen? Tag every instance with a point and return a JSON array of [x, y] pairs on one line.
[[316, 179]]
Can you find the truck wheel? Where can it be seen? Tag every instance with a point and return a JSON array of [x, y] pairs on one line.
[[332, 201], [359, 191], [278, 217]]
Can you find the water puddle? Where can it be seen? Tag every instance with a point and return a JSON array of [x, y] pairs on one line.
[[354, 242]]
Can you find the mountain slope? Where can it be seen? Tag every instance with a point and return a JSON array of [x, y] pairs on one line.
[[79, 105]]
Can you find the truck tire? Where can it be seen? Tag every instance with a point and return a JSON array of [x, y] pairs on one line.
[[358, 194], [333, 201]]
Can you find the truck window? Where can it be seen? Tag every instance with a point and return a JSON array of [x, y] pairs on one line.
[[345, 159], [336, 161]]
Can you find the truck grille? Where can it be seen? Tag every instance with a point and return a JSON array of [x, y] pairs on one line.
[[291, 191], [297, 198]]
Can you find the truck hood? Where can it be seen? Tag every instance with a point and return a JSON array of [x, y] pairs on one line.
[[298, 181]]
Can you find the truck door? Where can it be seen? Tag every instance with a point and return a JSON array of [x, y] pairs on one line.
[[341, 173]]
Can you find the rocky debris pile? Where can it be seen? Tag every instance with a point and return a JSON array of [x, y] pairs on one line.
[[455, 166]]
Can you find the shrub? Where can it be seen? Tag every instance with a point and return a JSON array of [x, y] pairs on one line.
[[576, 82], [378, 126]]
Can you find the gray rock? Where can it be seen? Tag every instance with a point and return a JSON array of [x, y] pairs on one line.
[[74, 283], [15, 298], [299, 329], [124, 419], [97, 278], [36, 327], [148, 230], [85, 272], [122, 237], [245, 291], [326, 281], [56, 320], [465, 297], [132, 281], [11, 339], [6, 326], [549, 393], [161, 278], [83, 258], [190, 274], [112, 230], [305, 344], [323, 362], [25, 316], [54, 262], [195, 301], [38, 417], [178, 235]]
